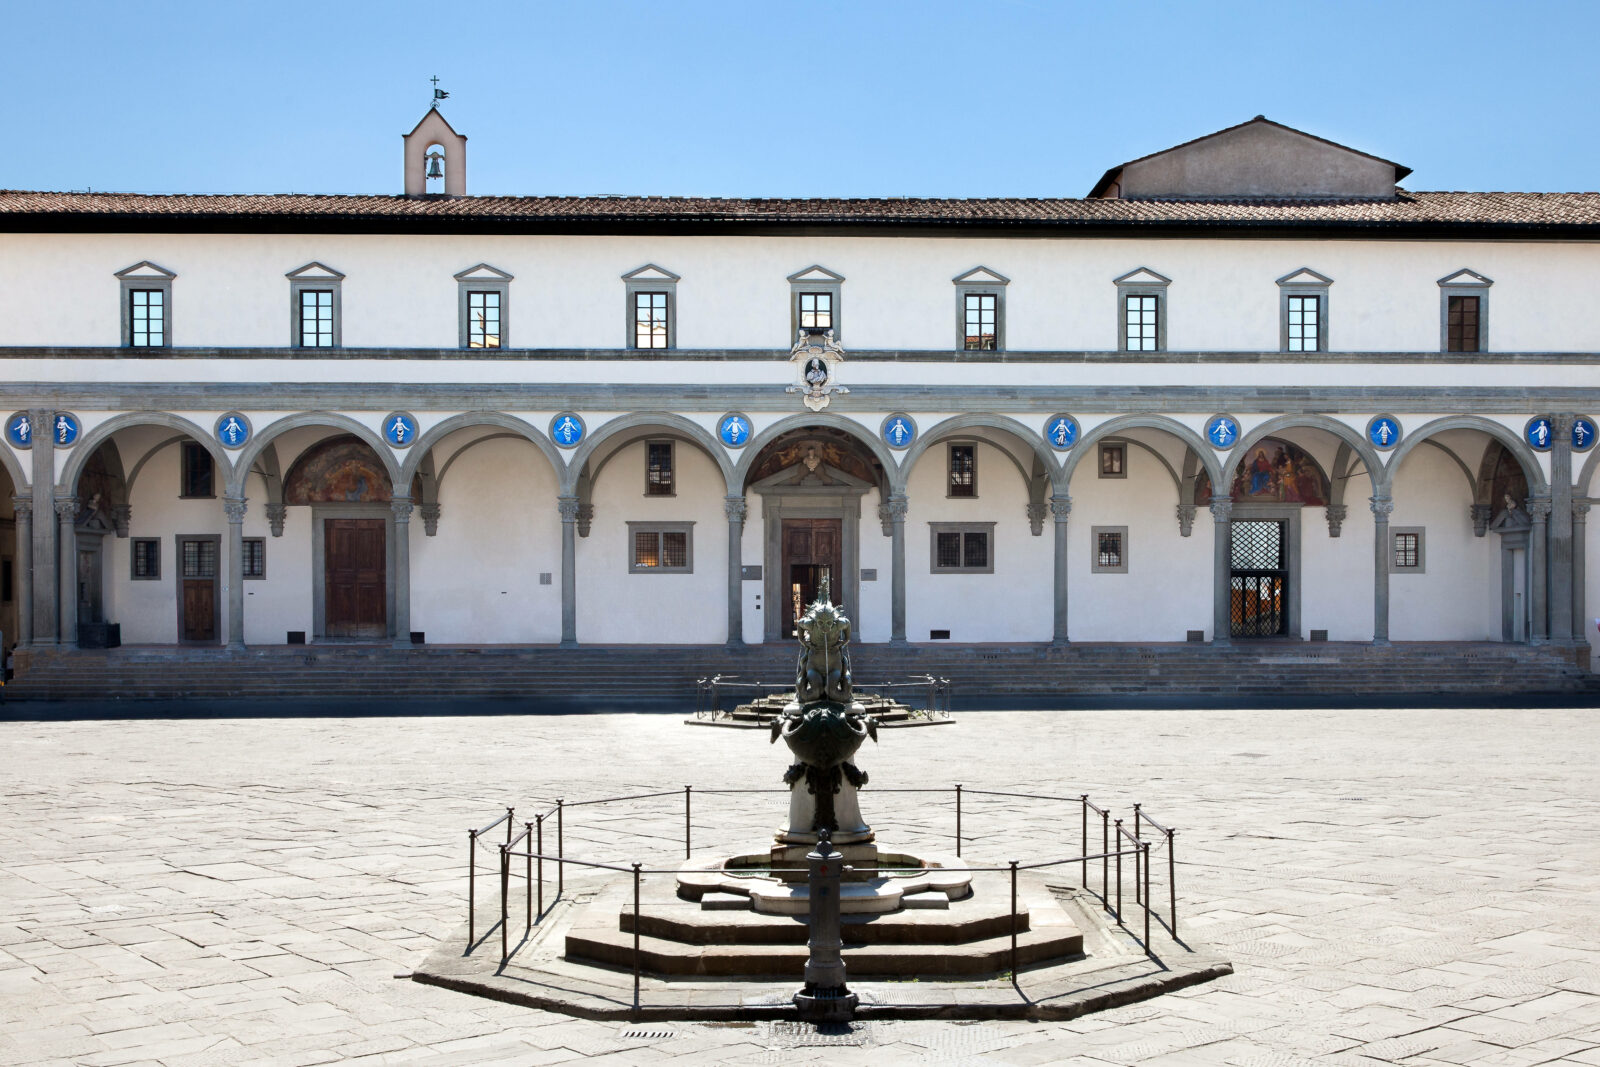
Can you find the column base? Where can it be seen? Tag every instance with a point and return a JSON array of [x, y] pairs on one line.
[[1380, 642], [568, 642], [236, 646]]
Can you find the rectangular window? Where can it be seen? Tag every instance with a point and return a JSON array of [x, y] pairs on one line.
[[254, 557], [661, 548], [316, 318], [1461, 324], [197, 471], [1410, 554], [199, 559], [982, 310], [816, 311], [1142, 319], [1113, 459], [658, 469], [1110, 546], [147, 318], [483, 319], [146, 559], [650, 320], [1305, 317], [963, 470], [962, 548]]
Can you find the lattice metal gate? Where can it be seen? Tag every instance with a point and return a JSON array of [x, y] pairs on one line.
[[1260, 579]]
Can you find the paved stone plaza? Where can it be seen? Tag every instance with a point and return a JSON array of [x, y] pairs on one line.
[[1414, 887]]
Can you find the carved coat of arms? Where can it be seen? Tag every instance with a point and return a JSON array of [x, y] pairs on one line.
[[815, 360]]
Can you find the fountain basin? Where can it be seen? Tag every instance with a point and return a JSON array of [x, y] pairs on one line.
[[931, 881]]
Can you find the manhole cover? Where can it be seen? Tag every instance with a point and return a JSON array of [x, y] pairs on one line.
[[792, 1034]]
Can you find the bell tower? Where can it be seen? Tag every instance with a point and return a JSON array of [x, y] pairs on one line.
[[435, 157]]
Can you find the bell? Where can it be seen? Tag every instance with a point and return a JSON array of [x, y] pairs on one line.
[[434, 169]]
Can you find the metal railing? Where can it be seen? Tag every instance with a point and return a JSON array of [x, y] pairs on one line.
[[935, 693], [1128, 843]]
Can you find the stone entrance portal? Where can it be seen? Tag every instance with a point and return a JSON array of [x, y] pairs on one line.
[[355, 577], [811, 555]]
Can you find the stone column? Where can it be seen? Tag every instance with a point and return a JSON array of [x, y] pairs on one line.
[[24, 565], [44, 533], [898, 506], [1580, 567], [568, 507], [67, 570], [1221, 571], [1382, 508], [1560, 558], [735, 508], [1061, 507], [400, 506], [1538, 569], [235, 508]]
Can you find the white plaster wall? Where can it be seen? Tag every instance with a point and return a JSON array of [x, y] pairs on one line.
[[1457, 597], [282, 601], [477, 580], [148, 610], [1336, 572], [399, 290], [1015, 603], [1167, 590], [615, 607], [876, 617]]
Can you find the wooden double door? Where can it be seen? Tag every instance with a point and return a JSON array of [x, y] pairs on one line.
[[355, 577], [812, 549]]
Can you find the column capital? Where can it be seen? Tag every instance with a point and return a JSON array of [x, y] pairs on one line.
[[67, 507], [1337, 513], [1221, 509], [1481, 514], [430, 518], [401, 507], [1036, 514], [898, 506], [735, 508], [1580, 509], [276, 514], [1061, 506], [235, 508], [1539, 508], [568, 507], [1382, 507], [23, 505], [1186, 513]]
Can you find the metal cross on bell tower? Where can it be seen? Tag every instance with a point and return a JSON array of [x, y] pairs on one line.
[[438, 93]]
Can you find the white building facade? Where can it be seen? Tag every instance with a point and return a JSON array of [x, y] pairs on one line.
[[251, 420]]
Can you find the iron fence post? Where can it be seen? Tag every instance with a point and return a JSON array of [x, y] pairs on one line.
[[687, 832], [1119, 872], [1014, 977], [510, 823], [472, 885], [505, 880], [1172, 884], [958, 820], [539, 848], [527, 835], [1148, 949], [1137, 820], [561, 848], [1105, 859], [1084, 862], [636, 867]]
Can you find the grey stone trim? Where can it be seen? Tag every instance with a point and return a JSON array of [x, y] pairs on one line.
[[1061, 510], [400, 508], [133, 558], [948, 445], [1383, 551], [569, 507], [302, 279], [483, 278], [1290, 515], [1337, 513], [1464, 282], [235, 510], [683, 527], [937, 528], [1142, 281], [24, 564], [1422, 549], [276, 514], [1222, 569], [45, 558], [1303, 282], [980, 280], [1538, 567], [160, 280], [177, 579], [1095, 567], [816, 279], [659, 280], [262, 576], [320, 513], [736, 509], [842, 501], [862, 434]]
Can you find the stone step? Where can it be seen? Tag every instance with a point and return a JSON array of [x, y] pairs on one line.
[[962, 922]]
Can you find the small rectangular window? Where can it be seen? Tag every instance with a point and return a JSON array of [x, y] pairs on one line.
[[254, 557], [658, 469], [1142, 319], [1305, 317], [146, 559], [197, 471], [1409, 552], [963, 470], [316, 318], [1110, 547], [1113, 459], [962, 548], [982, 311], [1461, 324], [661, 548], [816, 311], [483, 319], [147, 318], [650, 320]]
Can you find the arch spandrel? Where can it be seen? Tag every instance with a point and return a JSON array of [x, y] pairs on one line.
[[328, 420], [1122, 424], [862, 435], [637, 425], [1284, 425], [1032, 445], [425, 444], [1537, 483], [93, 439]]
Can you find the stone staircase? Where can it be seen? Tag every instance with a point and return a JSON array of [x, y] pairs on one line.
[[1294, 671]]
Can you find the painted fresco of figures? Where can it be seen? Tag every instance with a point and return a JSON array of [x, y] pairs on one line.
[[1275, 471]]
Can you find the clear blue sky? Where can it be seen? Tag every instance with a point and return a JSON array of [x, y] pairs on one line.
[[979, 98]]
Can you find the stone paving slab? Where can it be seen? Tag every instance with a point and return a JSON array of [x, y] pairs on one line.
[[1412, 887]]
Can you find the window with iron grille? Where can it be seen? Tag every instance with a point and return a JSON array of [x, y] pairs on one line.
[[1304, 323], [658, 469], [816, 311], [146, 559], [1141, 321], [1110, 545], [1461, 324], [197, 471], [147, 318], [962, 548], [199, 558], [661, 547], [316, 318], [1408, 557], [254, 557], [982, 319], [650, 325], [483, 318], [963, 470]]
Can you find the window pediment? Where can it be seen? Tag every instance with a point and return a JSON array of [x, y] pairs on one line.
[[145, 269], [1305, 276], [1465, 276], [816, 274], [981, 276], [650, 273], [1142, 276], [483, 273], [314, 272]]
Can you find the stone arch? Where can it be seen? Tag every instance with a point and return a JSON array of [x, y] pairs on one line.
[[1509, 438], [1196, 444], [520, 427], [8, 459], [1275, 427], [862, 435], [953, 427], [643, 422], [102, 433], [325, 419], [1586, 475]]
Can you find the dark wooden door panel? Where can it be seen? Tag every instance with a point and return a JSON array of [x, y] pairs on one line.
[[199, 609], [811, 549], [355, 577]]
